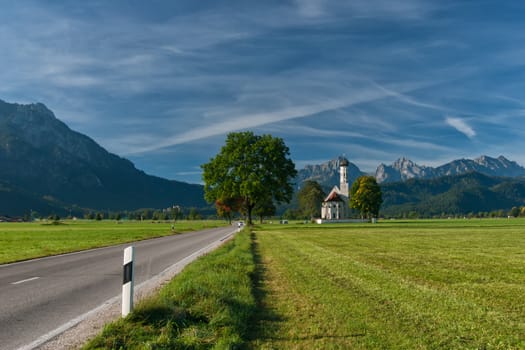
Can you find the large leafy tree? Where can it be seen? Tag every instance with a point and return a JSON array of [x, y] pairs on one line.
[[250, 167], [365, 196], [310, 197]]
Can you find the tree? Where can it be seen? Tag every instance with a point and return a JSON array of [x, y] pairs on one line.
[[250, 167], [194, 214], [515, 212], [291, 214], [264, 208], [365, 196], [227, 206], [310, 197], [147, 214]]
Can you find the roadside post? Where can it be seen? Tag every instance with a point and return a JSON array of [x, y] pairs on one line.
[[127, 284]]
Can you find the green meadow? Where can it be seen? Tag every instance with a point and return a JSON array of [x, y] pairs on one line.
[[22, 241], [447, 284]]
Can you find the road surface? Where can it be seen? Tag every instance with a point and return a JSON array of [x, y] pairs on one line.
[[39, 296]]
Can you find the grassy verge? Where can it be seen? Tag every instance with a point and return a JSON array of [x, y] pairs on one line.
[[400, 285], [22, 241], [206, 307]]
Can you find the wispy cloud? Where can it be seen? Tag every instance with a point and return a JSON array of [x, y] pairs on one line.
[[410, 100], [254, 120], [401, 9], [310, 8], [461, 126], [299, 103]]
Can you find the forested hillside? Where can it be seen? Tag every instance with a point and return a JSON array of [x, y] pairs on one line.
[[472, 193]]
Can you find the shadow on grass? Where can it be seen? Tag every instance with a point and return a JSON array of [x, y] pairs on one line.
[[264, 323]]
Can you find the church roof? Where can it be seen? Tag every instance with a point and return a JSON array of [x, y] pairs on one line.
[[343, 161], [334, 197]]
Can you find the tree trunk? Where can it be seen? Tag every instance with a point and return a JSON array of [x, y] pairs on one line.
[[249, 212]]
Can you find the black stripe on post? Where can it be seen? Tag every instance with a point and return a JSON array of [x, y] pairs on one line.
[[128, 272]]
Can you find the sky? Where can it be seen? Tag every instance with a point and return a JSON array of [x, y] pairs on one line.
[[163, 82]]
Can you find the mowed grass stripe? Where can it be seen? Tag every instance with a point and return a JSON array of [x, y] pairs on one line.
[[431, 309], [318, 310], [372, 289]]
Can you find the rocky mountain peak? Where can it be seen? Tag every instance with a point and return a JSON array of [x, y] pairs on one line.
[[500, 166], [403, 163], [36, 125], [327, 173], [401, 170]]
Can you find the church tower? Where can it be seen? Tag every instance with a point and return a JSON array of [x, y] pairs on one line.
[[335, 205], [343, 181]]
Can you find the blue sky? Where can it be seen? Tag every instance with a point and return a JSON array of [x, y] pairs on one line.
[[163, 82]]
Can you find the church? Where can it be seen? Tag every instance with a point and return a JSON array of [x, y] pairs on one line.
[[335, 205]]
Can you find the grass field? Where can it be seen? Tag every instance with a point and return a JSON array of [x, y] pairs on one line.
[[22, 241], [449, 284], [455, 284]]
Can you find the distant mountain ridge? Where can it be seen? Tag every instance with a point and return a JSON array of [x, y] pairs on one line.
[[403, 169], [43, 159]]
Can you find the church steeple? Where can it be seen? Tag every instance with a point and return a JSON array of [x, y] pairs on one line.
[[343, 176]]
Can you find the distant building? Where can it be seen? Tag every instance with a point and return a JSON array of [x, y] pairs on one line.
[[335, 205]]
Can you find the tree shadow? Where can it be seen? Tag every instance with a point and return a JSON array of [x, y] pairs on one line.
[[264, 323]]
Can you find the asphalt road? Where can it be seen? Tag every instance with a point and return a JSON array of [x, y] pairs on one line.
[[39, 296]]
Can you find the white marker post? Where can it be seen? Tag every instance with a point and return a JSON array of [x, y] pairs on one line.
[[127, 284]]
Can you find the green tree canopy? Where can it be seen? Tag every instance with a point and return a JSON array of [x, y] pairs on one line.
[[310, 197], [250, 167], [365, 196], [515, 212], [264, 208]]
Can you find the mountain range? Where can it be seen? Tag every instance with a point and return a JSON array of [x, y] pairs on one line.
[[48, 167], [403, 169]]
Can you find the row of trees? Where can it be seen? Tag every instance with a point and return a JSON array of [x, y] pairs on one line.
[[147, 214], [501, 213], [141, 214]]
